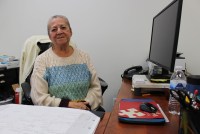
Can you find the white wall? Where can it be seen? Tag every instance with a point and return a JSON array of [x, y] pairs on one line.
[[116, 33], [189, 41]]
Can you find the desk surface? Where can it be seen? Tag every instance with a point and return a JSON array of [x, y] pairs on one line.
[[116, 127], [103, 123]]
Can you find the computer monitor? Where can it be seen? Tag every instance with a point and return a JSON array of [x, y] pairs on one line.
[[164, 37]]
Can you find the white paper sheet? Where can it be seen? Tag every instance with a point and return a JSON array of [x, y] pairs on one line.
[[25, 119]]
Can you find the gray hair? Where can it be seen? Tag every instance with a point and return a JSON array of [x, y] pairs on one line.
[[57, 16]]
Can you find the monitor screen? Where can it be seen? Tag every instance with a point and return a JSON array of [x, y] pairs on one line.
[[164, 37]]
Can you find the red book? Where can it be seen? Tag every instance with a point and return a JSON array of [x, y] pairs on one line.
[[129, 111]]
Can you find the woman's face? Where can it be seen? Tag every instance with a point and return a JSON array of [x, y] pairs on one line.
[[59, 31]]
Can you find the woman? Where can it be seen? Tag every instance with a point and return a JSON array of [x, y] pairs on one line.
[[63, 75]]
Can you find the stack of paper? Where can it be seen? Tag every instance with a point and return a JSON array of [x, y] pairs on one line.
[[18, 119]]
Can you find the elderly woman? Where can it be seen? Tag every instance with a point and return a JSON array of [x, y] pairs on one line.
[[63, 76]]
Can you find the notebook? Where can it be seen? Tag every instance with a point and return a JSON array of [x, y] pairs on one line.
[[129, 112]]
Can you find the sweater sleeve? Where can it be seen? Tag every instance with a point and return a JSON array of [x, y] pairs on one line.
[[39, 86], [94, 95]]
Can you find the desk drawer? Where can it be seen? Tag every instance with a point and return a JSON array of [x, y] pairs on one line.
[[6, 91], [2, 78], [10, 76], [7, 78]]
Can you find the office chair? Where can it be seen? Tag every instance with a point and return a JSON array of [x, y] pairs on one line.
[[25, 80]]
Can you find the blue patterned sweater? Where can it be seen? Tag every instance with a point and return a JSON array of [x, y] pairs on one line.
[[70, 81], [55, 78]]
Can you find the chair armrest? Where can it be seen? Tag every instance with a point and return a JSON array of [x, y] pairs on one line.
[[103, 84], [26, 87]]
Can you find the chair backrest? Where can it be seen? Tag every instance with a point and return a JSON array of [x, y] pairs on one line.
[[29, 52], [34, 46], [43, 47]]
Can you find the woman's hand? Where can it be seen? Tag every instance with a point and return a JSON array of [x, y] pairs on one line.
[[79, 105]]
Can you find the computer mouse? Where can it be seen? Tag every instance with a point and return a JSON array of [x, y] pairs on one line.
[[148, 107]]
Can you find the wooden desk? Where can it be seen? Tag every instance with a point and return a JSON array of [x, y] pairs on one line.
[[103, 123], [116, 127]]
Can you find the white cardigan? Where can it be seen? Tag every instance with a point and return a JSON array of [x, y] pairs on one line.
[[29, 53]]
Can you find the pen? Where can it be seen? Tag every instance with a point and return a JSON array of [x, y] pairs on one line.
[[146, 94], [164, 115]]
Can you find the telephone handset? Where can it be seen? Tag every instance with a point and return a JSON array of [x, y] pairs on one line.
[[129, 72]]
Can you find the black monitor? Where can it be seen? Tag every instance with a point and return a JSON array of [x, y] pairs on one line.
[[164, 37]]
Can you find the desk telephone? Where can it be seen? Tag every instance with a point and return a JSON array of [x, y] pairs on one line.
[[129, 72]]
